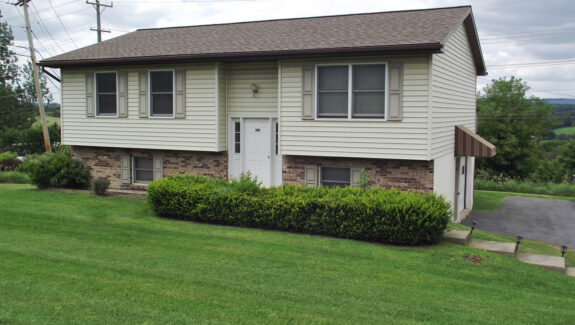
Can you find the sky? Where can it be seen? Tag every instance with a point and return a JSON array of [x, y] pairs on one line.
[[529, 39]]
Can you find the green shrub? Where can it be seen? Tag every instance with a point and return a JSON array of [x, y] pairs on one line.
[[386, 216], [100, 186], [9, 161], [14, 178], [547, 188], [56, 170]]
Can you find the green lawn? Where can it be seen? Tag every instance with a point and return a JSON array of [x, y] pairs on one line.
[[492, 200], [49, 120], [81, 259], [568, 130]]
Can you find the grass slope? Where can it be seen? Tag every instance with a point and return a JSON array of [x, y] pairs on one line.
[[492, 200], [49, 121], [76, 258], [568, 130]]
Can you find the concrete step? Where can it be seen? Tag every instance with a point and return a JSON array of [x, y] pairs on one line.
[[555, 263], [570, 271], [460, 237], [507, 249]]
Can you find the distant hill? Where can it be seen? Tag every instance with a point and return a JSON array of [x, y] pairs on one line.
[[560, 101]]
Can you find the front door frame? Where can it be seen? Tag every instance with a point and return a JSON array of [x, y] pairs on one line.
[[230, 144]]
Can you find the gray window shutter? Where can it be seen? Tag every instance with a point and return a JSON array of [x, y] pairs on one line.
[[311, 175], [143, 93], [395, 92], [158, 167], [308, 92], [125, 165], [90, 94], [180, 94], [355, 172], [123, 94]]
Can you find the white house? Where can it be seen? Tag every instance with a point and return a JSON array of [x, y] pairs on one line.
[[299, 101]]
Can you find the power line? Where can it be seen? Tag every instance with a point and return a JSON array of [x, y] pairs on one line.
[[42, 25], [530, 32], [532, 64], [62, 23]]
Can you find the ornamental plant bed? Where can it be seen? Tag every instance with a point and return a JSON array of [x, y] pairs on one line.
[[377, 215]]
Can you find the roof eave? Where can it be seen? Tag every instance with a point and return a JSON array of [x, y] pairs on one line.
[[281, 54]]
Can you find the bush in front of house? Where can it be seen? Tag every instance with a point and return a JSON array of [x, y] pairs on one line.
[[56, 169], [9, 162], [100, 186], [385, 216]]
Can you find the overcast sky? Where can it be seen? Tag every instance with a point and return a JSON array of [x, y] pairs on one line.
[[530, 39]]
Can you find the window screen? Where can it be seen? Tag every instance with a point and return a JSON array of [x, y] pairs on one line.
[[106, 103], [143, 169], [161, 93], [332, 91], [335, 176], [368, 91]]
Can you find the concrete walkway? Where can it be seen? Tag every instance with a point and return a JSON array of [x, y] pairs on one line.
[[551, 221]]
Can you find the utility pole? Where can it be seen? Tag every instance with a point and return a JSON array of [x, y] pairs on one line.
[[100, 7], [24, 3]]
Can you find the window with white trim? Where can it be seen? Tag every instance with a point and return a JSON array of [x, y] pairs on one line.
[[162, 93], [143, 169], [106, 94], [335, 176], [351, 91]]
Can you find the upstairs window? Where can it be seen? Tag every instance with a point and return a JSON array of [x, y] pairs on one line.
[[106, 94], [351, 91], [162, 93]]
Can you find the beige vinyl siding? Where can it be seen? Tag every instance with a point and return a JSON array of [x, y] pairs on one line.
[[406, 139], [453, 93], [196, 132], [241, 101], [222, 107]]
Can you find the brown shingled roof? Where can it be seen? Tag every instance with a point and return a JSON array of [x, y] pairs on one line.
[[385, 32]]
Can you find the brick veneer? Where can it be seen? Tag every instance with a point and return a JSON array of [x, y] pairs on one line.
[[105, 163], [400, 174]]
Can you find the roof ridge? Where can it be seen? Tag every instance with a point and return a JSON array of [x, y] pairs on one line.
[[301, 18]]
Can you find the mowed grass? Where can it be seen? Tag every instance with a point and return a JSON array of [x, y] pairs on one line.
[[568, 130], [492, 200], [79, 259], [49, 120]]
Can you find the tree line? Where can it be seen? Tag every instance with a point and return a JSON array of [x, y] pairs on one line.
[[18, 104]]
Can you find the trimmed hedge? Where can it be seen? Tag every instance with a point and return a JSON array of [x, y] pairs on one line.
[[385, 216]]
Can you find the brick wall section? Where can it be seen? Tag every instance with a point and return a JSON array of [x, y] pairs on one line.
[[400, 174], [105, 163]]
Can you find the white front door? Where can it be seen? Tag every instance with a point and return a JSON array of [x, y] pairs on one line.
[[258, 149]]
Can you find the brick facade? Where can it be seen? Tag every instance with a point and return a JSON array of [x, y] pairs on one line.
[[105, 163], [400, 174]]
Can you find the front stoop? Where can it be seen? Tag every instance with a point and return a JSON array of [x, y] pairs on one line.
[[508, 249], [460, 237], [570, 271], [554, 263]]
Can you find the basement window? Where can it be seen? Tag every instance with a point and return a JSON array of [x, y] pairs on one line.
[[143, 169], [335, 176]]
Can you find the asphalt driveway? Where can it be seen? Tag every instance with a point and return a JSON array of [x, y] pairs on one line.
[[551, 221]]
